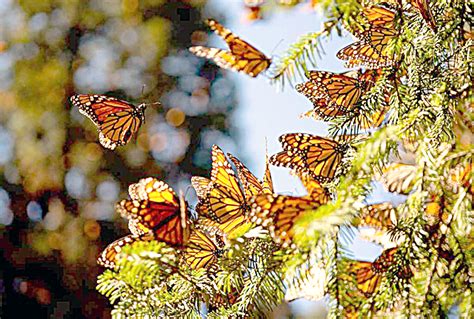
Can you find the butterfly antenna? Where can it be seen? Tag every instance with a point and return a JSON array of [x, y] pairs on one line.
[[266, 149], [154, 103], [276, 46]]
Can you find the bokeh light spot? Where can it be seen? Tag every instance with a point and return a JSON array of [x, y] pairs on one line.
[[6, 146], [108, 191], [175, 117], [92, 229], [76, 183], [6, 215], [34, 211], [55, 216]]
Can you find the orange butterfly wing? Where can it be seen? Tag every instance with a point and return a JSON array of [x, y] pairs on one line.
[[156, 207], [110, 255], [242, 56], [116, 120]]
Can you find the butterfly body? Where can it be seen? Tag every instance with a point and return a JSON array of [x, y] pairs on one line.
[[116, 120]]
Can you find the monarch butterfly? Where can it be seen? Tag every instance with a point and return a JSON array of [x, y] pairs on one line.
[[311, 154], [220, 198], [340, 91], [371, 51], [279, 212], [381, 216], [369, 274], [251, 185], [399, 178], [116, 120], [379, 16], [315, 190], [423, 7], [201, 251], [110, 255], [156, 207], [242, 57], [335, 95]]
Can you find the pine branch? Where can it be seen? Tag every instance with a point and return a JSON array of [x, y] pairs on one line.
[[302, 54]]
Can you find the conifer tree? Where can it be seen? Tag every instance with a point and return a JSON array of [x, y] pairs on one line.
[[423, 96]]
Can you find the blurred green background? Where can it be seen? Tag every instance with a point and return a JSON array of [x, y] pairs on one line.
[[58, 186]]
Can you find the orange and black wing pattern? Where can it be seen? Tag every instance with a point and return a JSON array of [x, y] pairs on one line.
[[241, 57], [380, 16], [334, 95], [221, 200], [311, 154], [116, 120], [250, 183], [314, 188], [110, 255], [381, 216], [267, 181], [156, 207], [201, 250], [371, 51], [339, 90], [369, 274], [279, 213]]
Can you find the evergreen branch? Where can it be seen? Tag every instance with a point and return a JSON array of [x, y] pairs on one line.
[[299, 55]]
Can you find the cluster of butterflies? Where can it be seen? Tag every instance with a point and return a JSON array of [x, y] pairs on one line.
[[368, 275], [233, 198], [399, 178], [383, 217], [228, 200]]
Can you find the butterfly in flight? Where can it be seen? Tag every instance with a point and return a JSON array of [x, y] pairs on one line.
[[155, 207], [310, 154], [372, 49], [242, 56], [116, 120]]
